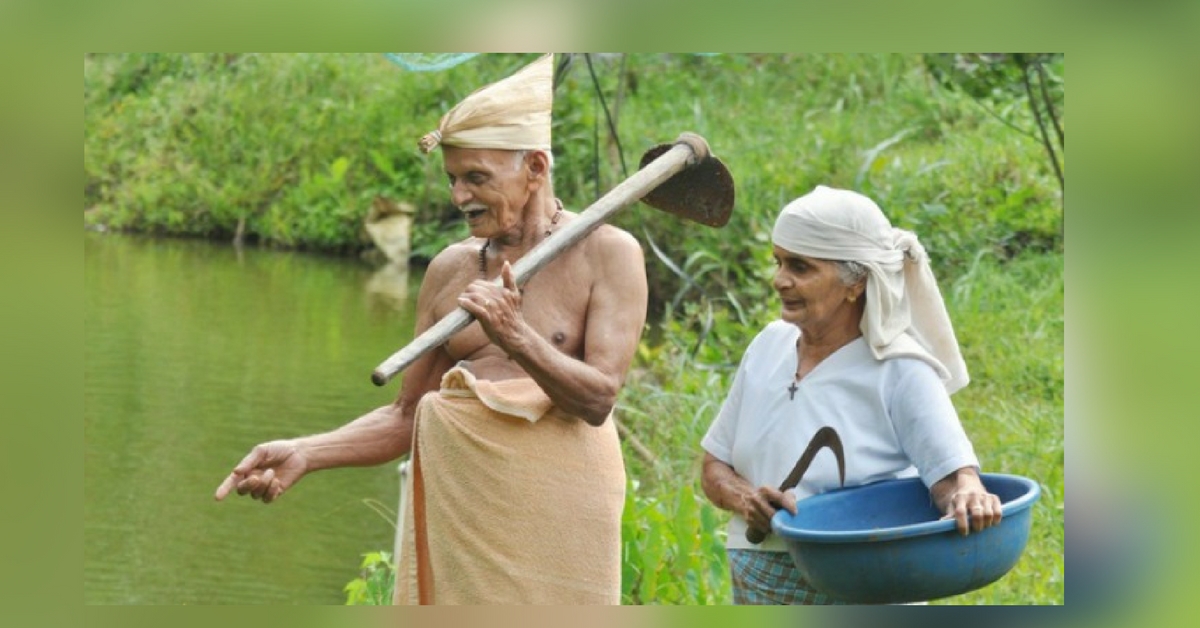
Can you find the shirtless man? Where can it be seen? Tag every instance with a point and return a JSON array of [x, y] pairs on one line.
[[571, 331]]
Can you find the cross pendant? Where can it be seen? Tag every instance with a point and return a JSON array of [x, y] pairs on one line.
[[792, 391]]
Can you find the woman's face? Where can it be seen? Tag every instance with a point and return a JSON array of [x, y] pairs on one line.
[[811, 291]]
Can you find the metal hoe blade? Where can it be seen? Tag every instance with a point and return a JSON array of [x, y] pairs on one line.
[[703, 192]]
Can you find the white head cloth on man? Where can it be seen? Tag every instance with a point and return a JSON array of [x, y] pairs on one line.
[[510, 114], [905, 314]]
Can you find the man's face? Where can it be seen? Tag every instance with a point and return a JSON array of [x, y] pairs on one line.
[[491, 187]]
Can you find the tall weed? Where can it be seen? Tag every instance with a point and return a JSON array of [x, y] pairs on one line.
[[672, 549]]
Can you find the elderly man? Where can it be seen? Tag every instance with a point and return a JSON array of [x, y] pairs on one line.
[[517, 481]]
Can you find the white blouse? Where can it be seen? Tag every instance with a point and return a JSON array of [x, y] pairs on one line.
[[894, 417]]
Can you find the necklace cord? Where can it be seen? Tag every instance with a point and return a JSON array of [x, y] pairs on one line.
[[488, 242]]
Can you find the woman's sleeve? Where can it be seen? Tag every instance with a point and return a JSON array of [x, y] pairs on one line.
[[927, 424], [719, 439]]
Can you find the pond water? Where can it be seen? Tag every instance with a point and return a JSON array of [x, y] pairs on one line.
[[194, 352]]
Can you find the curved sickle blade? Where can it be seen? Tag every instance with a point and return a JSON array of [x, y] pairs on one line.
[[825, 437]]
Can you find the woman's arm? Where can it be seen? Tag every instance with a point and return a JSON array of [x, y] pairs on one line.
[[729, 491]]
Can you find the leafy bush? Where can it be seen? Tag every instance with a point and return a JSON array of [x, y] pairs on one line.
[[291, 149], [375, 583], [673, 549]]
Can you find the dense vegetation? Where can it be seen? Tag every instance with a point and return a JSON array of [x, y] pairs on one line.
[[290, 150]]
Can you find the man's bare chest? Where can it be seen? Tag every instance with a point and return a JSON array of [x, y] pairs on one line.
[[551, 306]]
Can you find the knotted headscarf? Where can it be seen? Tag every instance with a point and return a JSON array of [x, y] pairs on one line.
[[510, 114], [905, 314]]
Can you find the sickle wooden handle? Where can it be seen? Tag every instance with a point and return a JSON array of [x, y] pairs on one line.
[[825, 437]]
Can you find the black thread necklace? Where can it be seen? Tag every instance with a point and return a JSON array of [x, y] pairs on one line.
[[488, 242], [794, 385]]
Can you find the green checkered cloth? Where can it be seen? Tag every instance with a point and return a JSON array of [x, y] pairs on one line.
[[770, 578]]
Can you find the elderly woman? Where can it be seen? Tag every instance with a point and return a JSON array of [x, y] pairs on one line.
[[864, 346]]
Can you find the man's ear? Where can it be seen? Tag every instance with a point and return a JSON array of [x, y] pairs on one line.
[[537, 166]]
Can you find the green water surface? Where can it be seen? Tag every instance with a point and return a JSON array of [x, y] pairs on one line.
[[195, 351]]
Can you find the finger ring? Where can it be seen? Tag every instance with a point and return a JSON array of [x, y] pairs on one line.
[[487, 303]]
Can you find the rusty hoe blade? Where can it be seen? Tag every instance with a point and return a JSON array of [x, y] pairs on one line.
[[703, 192]]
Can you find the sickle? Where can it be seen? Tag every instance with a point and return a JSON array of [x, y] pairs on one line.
[[825, 437]]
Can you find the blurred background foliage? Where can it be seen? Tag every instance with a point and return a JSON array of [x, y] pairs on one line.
[[288, 150]]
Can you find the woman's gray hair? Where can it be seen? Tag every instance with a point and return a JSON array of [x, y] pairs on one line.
[[850, 272]]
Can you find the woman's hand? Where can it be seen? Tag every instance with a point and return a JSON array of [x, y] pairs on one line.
[[729, 491], [961, 496], [759, 506]]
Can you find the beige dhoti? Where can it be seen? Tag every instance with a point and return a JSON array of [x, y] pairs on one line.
[[510, 500]]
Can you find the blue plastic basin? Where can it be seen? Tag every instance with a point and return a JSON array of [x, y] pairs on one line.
[[884, 543]]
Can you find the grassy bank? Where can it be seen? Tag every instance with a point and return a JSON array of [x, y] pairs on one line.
[[290, 150]]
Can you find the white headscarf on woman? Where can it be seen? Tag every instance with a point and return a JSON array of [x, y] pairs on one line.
[[905, 314]]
